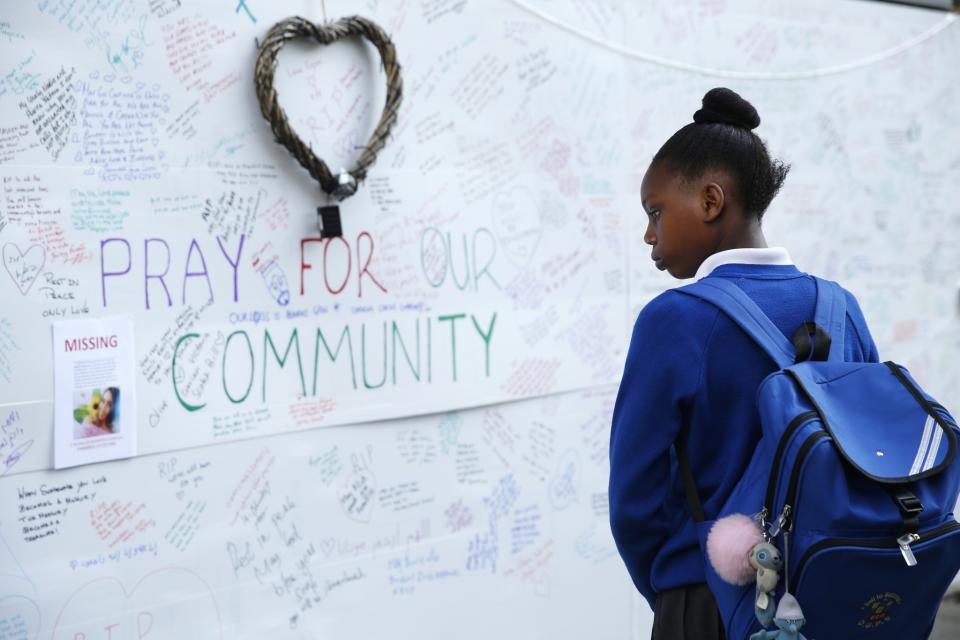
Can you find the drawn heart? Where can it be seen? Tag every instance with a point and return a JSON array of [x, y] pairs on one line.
[[24, 268], [344, 185], [19, 617], [328, 546], [156, 607], [357, 495]]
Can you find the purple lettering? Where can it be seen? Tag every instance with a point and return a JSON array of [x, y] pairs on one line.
[[103, 272], [159, 276], [195, 274], [233, 263]]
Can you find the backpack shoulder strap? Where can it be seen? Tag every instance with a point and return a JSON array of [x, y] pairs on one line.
[[831, 315], [740, 308]]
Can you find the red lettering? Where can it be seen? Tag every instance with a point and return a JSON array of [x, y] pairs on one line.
[[326, 265], [366, 265], [361, 260], [89, 343], [303, 264]]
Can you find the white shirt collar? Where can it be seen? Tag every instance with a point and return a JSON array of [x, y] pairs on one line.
[[768, 255]]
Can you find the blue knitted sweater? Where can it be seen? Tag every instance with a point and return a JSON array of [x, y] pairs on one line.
[[691, 369]]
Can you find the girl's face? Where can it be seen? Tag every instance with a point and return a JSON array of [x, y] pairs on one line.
[[106, 406], [679, 217]]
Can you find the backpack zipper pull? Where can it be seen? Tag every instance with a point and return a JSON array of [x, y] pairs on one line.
[[905, 541], [781, 523], [761, 520]]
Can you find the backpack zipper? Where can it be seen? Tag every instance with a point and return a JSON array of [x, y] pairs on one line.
[[784, 522], [772, 483], [788, 433], [872, 543]]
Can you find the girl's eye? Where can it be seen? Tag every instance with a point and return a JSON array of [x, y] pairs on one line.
[[654, 214]]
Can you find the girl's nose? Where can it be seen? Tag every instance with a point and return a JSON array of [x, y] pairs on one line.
[[649, 236]]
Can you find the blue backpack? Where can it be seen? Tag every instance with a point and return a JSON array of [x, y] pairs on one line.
[[854, 480]]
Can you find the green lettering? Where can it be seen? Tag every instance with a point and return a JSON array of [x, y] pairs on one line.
[[223, 371], [363, 356], [406, 354], [486, 337], [294, 337], [424, 256], [466, 263], [173, 374], [453, 338], [477, 273], [345, 335]]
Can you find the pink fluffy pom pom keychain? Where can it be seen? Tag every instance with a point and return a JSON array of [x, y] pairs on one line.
[[728, 548]]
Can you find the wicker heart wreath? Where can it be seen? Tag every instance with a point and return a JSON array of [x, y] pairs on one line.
[[344, 184]]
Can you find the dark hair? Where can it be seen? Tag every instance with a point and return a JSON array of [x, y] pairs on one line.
[[721, 137], [115, 392]]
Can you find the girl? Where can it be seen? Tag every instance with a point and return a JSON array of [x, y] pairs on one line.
[[102, 422], [691, 372]]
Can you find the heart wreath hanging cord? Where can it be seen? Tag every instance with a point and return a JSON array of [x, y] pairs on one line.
[[344, 184]]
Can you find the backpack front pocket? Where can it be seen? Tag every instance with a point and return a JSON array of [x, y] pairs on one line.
[[866, 588]]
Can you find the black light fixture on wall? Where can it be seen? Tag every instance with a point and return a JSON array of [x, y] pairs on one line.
[[946, 5]]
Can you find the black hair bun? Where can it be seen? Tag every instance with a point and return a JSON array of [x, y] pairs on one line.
[[727, 107]]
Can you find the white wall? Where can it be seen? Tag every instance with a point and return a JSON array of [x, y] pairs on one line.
[[467, 502]]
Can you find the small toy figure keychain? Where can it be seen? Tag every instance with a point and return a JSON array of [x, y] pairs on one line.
[[740, 552], [765, 558], [788, 620]]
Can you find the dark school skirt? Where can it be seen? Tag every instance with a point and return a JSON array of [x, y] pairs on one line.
[[687, 613]]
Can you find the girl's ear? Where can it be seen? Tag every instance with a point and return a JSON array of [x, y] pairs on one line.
[[713, 201]]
